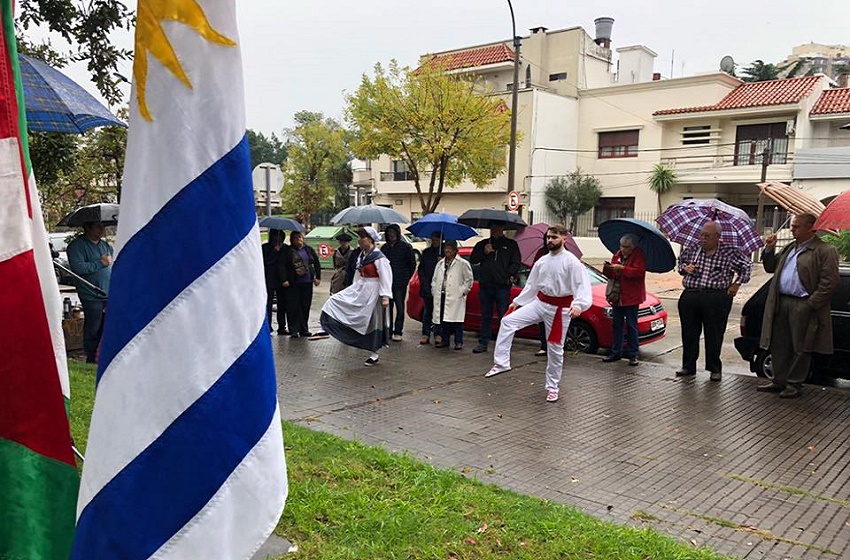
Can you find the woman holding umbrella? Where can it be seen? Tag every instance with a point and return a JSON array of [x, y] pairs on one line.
[[626, 271]]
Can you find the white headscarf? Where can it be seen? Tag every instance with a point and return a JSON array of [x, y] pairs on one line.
[[372, 233]]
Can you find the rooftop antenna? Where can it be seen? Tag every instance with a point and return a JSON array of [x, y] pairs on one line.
[[727, 64], [672, 62]]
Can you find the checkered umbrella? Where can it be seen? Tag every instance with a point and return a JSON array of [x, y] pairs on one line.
[[683, 221], [56, 103]]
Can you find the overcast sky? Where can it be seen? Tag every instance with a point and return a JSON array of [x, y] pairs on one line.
[[305, 55]]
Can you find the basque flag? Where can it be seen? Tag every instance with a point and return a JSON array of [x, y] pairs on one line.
[[185, 454]]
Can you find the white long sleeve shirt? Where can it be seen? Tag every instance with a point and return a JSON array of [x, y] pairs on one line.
[[558, 275]]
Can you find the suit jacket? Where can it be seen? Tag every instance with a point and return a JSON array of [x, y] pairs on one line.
[[817, 267]]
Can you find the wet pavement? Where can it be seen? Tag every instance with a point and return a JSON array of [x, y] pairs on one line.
[[714, 464]]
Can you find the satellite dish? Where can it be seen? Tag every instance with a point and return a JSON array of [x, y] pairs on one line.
[[727, 64]]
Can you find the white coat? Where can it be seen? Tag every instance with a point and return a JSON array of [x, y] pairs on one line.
[[458, 277]]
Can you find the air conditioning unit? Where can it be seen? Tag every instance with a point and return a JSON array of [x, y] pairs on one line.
[[790, 127]]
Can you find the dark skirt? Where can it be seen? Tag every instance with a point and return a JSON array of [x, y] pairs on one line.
[[375, 337]]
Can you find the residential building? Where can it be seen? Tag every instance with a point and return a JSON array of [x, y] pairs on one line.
[[554, 67], [578, 109], [814, 58]]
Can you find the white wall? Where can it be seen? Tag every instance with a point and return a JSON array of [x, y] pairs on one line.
[[555, 128]]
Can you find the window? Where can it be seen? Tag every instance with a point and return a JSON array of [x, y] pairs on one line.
[[399, 172], [752, 140], [558, 76], [622, 143], [696, 135], [613, 207], [528, 76]]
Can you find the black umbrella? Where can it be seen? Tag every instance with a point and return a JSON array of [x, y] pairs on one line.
[[484, 217], [104, 212], [281, 223]]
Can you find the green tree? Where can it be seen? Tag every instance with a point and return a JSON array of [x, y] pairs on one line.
[[443, 127], [317, 151], [54, 158], [100, 162], [572, 196], [841, 241], [265, 149], [87, 26], [758, 71], [661, 181]]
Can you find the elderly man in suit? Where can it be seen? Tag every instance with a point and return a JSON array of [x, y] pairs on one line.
[[797, 317]]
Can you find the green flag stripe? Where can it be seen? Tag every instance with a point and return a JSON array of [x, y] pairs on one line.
[[12, 52], [40, 498]]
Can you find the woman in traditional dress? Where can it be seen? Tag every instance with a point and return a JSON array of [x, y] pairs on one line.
[[451, 283], [355, 316]]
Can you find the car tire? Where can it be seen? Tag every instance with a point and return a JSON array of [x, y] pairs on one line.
[[763, 364], [581, 338]]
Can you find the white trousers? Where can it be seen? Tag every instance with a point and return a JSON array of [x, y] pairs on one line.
[[526, 316]]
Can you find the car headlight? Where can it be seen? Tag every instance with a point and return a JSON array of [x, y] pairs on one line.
[[609, 312]]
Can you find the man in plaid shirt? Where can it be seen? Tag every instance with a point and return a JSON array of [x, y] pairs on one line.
[[712, 273]]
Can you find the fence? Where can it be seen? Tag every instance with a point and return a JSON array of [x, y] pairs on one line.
[[586, 225]]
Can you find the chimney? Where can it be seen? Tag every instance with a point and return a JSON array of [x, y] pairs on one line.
[[535, 30], [843, 79], [603, 31]]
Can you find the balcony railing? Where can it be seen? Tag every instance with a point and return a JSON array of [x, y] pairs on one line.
[[396, 176]]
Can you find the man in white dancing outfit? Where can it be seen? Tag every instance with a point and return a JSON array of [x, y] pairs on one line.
[[558, 289]]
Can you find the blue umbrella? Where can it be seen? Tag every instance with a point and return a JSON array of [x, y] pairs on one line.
[[281, 223], [657, 250], [444, 224], [369, 214], [56, 103]]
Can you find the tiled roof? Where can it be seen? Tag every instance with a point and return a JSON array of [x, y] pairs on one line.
[[473, 57], [832, 101], [757, 94]]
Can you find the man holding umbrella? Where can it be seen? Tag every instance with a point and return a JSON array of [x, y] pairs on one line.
[[499, 259], [90, 257], [711, 273]]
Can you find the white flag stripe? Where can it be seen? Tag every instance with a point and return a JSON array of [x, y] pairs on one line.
[[199, 124], [159, 367], [49, 289], [14, 239], [246, 506]]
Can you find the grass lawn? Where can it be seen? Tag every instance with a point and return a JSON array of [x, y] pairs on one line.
[[350, 501]]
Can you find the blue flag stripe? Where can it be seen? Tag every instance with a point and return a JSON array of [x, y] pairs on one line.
[[168, 253], [170, 481]]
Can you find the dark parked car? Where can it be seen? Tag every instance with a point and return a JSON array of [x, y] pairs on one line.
[[835, 365]]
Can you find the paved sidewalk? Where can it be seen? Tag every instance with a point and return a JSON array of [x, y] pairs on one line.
[[715, 464]]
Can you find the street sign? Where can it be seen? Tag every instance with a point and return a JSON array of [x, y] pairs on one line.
[[513, 201], [325, 250]]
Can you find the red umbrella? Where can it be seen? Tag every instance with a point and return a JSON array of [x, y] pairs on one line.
[[836, 215], [532, 243]]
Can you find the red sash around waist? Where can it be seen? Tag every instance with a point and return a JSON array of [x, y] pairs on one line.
[[558, 322], [369, 271]]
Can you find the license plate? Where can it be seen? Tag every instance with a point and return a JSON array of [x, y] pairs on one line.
[[657, 324]]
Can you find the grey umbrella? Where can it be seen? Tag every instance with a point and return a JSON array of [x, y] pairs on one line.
[[102, 212], [281, 223], [484, 217], [369, 214]]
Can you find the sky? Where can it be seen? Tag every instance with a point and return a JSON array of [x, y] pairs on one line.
[[306, 55]]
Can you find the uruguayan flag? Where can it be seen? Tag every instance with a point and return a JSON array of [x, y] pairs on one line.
[[185, 453]]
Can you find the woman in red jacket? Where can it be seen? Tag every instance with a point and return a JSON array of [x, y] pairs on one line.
[[628, 267]]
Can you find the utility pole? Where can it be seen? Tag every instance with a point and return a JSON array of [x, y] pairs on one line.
[[765, 161], [514, 96]]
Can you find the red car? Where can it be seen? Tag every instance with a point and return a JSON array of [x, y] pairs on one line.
[[587, 333]]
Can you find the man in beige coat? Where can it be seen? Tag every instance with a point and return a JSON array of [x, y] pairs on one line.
[[797, 317]]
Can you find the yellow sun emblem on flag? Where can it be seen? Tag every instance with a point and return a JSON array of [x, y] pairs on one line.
[[150, 36]]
